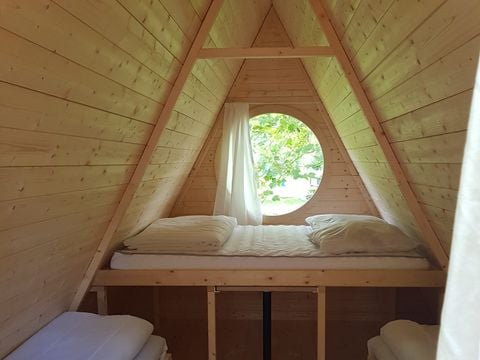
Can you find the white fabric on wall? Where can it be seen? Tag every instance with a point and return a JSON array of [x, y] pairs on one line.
[[236, 188], [460, 326]]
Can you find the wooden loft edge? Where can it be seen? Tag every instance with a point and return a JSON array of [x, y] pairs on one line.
[[264, 52], [150, 147], [302, 278], [422, 221]]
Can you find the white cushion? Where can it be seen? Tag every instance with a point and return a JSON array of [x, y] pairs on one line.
[[199, 232], [378, 350], [325, 220], [408, 340], [341, 234]]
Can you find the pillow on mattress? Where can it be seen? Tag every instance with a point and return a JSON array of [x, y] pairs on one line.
[[199, 232], [359, 234], [325, 220]]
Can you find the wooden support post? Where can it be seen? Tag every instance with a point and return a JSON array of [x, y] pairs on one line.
[[418, 213], [321, 314], [102, 299], [212, 323], [156, 307], [142, 165]]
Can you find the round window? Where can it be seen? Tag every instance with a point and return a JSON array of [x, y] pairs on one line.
[[288, 162]]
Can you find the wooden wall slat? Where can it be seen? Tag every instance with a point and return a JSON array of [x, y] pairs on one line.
[[417, 62], [80, 96], [258, 79]]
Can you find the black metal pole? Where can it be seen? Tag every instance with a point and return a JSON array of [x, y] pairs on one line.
[[267, 325]]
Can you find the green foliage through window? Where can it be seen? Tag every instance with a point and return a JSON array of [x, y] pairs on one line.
[[286, 154]]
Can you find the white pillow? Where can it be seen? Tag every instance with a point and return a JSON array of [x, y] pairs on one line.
[[367, 235], [198, 232], [323, 220], [408, 340]]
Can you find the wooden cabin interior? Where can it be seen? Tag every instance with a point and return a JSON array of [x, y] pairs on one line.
[[111, 118]]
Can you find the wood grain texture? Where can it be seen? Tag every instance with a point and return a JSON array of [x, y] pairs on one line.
[[419, 80], [261, 79]]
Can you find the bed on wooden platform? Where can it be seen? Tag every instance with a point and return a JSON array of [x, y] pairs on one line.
[[175, 252], [330, 251], [266, 247]]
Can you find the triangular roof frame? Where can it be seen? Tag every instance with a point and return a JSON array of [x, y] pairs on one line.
[[197, 51]]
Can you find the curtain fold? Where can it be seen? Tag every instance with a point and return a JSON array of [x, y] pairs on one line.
[[460, 325], [236, 187]]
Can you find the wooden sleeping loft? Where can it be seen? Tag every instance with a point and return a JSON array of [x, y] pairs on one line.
[[236, 267], [117, 118]]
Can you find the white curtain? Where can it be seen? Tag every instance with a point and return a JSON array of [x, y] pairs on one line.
[[460, 325], [236, 188]]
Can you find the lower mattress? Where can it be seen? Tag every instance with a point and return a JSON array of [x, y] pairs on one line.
[[79, 336], [154, 349]]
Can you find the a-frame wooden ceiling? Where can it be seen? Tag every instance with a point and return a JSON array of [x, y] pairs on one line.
[[82, 85], [315, 39]]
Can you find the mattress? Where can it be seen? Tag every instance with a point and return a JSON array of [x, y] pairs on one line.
[[267, 247], [79, 336], [154, 349]]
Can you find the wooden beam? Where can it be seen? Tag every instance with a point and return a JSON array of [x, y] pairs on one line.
[[265, 53], [321, 321], [262, 100], [150, 147], [102, 299], [308, 289], [212, 323], [418, 213], [338, 278]]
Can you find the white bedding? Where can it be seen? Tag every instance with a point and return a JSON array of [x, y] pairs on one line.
[[199, 232], [378, 350], [267, 247], [154, 349], [80, 336], [408, 340]]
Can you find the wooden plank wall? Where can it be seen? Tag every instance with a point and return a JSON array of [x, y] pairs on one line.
[[271, 85], [81, 85], [195, 111], [416, 60]]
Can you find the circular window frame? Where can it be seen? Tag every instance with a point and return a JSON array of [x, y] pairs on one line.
[[301, 116]]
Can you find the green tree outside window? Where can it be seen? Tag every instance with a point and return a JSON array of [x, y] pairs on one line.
[[288, 162]]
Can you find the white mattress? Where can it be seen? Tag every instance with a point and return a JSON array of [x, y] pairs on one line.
[[80, 336], [267, 247], [154, 349]]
